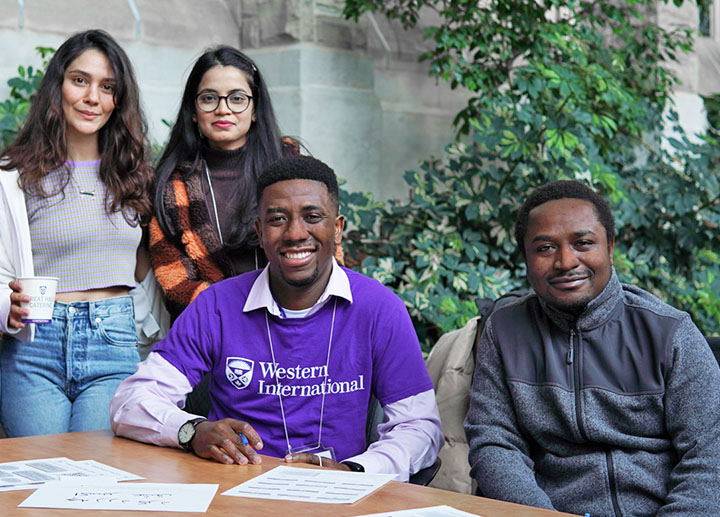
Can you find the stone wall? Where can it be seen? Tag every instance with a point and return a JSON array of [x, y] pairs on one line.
[[354, 93], [364, 106]]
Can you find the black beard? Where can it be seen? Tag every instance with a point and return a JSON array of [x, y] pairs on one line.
[[305, 282], [575, 308]]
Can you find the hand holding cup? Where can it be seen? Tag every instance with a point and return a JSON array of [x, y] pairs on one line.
[[31, 301], [17, 311]]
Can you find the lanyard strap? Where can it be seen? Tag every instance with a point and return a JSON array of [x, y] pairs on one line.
[[217, 219], [277, 381]]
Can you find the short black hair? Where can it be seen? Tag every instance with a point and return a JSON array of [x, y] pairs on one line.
[[563, 189], [299, 168]]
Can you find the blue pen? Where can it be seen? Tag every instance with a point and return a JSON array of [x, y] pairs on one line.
[[244, 440]]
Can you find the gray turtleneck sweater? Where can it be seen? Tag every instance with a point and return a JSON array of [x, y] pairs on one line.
[[613, 412]]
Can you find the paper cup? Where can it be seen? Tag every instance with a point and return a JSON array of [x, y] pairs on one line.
[[41, 290]]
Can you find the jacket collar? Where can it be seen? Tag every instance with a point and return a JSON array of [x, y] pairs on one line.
[[598, 310]]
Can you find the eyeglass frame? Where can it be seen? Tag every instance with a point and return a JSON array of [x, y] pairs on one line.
[[220, 98]]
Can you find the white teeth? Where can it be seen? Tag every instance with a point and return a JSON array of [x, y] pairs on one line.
[[301, 255]]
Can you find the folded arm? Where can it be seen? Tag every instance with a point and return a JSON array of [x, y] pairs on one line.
[[147, 406], [409, 438]]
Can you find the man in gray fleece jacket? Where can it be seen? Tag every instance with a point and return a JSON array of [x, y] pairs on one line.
[[591, 396]]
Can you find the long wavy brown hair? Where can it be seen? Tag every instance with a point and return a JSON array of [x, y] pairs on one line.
[[41, 145]]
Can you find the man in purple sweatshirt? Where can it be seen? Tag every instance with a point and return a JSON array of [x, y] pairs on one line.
[[294, 350]]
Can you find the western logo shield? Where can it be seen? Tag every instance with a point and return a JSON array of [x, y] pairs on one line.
[[239, 371]]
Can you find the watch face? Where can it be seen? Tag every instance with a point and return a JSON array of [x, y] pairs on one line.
[[186, 433]]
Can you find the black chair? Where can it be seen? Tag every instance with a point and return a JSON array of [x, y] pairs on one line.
[[375, 417], [714, 342], [198, 400]]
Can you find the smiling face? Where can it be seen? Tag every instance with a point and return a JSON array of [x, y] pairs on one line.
[[299, 229], [88, 95], [568, 257], [223, 128]]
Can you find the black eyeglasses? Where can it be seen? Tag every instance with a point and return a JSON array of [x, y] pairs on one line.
[[209, 101]]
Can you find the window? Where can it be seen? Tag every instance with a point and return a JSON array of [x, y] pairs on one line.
[[704, 14]]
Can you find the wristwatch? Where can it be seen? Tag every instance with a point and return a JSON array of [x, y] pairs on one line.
[[186, 433], [355, 467]]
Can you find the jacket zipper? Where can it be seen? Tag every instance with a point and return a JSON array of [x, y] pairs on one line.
[[576, 381], [613, 487], [578, 415]]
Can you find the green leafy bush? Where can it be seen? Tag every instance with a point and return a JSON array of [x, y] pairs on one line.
[[566, 89], [14, 110]]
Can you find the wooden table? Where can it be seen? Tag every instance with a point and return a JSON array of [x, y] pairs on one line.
[[164, 465]]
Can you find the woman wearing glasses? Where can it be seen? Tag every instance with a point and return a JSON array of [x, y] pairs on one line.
[[224, 136], [74, 188]]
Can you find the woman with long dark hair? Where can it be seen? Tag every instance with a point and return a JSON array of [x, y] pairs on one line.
[[75, 187], [224, 135]]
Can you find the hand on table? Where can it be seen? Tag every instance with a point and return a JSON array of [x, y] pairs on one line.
[[314, 459], [222, 441], [16, 311]]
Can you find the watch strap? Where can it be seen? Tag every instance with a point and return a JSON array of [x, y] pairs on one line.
[[355, 467]]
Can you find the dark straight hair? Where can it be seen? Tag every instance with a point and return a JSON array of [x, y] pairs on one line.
[[41, 145], [262, 146]]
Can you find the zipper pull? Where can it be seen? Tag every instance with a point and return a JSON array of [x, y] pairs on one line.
[[569, 358]]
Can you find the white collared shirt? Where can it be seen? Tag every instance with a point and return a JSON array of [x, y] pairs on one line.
[[260, 296]]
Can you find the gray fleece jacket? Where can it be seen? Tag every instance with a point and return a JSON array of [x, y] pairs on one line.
[[615, 413]]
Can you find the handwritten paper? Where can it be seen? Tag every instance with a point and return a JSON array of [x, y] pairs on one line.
[[430, 511], [311, 485], [22, 475], [158, 497]]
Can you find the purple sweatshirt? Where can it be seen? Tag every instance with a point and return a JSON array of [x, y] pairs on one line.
[[374, 350]]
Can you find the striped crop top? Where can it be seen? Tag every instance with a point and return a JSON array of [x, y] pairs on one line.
[[74, 238]]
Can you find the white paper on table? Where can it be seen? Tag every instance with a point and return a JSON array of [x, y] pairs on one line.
[[310, 485], [158, 497], [20, 475], [91, 480], [100, 469], [430, 511], [29, 474]]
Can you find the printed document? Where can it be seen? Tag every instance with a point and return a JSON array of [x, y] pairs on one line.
[[21, 475], [430, 511], [311, 485]]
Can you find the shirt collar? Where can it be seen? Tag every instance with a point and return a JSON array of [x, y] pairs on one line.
[[260, 296]]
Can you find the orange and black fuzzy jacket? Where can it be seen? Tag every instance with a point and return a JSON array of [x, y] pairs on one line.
[[186, 267]]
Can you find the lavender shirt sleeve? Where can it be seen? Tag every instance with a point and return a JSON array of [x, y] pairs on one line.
[[409, 440], [147, 405], [146, 408]]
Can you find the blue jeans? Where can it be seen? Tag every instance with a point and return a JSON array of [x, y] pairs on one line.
[[63, 381]]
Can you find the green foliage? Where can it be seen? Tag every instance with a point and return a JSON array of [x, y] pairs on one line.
[[14, 110], [567, 89]]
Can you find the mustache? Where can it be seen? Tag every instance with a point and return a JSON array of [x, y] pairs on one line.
[[570, 276]]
